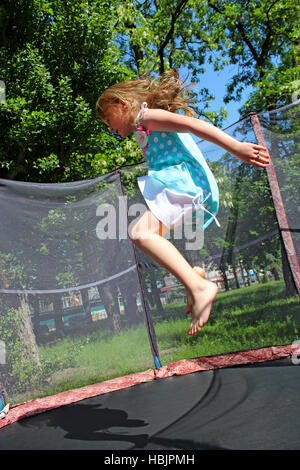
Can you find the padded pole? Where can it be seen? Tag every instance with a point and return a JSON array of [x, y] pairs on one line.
[[150, 327]]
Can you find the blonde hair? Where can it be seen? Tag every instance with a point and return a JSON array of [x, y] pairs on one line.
[[167, 92]]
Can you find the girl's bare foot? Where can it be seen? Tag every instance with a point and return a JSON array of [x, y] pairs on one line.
[[189, 303], [200, 315]]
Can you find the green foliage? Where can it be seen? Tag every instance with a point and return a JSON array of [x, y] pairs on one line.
[[57, 57], [113, 154], [260, 38], [11, 270], [53, 79], [278, 86], [20, 371]]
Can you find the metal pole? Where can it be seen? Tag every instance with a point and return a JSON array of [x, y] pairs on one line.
[[279, 208]]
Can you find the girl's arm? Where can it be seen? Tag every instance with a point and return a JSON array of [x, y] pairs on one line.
[[160, 120]]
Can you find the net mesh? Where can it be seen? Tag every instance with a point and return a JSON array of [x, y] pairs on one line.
[[80, 304]]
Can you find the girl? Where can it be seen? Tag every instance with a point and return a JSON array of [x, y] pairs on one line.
[[179, 181]]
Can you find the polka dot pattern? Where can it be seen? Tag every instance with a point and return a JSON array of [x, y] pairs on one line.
[[162, 153], [171, 159]]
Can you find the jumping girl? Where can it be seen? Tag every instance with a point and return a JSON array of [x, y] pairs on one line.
[[179, 181]]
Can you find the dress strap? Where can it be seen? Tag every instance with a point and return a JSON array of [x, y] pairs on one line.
[[198, 204], [141, 134], [144, 106]]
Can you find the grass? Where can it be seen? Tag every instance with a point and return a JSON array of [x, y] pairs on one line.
[[245, 318]]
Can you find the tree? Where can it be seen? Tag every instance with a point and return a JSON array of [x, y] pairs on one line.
[[16, 331], [161, 34], [260, 38], [55, 59]]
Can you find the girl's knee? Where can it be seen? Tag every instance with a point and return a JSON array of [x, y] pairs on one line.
[[146, 227], [137, 235], [140, 227], [135, 232], [132, 233]]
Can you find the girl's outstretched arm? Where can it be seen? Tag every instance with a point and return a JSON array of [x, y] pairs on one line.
[[161, 120]]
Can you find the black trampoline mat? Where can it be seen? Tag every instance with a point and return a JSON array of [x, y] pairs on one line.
[[252, 407]]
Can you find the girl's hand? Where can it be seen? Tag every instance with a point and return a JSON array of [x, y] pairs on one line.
[[254, 154]]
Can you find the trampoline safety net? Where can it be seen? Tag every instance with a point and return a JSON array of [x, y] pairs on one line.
[[80, 304]]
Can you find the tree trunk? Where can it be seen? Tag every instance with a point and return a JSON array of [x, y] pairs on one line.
[[86, 304], [237, 284], [58, 314], [155, 291], [26, 333], [223, 271], [112, 309]]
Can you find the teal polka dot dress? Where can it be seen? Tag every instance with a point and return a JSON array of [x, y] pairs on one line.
[[179, 181]]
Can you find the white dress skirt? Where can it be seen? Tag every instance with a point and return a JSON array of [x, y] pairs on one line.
[[179, 182]]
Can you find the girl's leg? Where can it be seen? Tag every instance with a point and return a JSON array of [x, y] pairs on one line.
[[189, 303], [148, 234]]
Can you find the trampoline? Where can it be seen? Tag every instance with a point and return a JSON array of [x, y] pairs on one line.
[[93, 348], [253, 407]]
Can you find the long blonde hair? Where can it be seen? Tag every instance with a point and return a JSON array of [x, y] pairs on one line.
[[167, 92]]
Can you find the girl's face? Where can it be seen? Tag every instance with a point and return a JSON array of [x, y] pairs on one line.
[[119, 119]]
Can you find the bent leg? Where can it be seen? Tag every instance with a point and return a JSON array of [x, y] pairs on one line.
[[148, 235]]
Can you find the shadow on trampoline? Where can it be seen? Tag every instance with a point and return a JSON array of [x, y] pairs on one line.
[[93, 423], [88, 422]]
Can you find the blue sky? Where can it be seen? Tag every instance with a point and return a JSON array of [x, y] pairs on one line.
[[215, 82]]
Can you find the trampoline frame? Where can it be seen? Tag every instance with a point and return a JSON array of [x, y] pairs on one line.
[[185, 366]]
